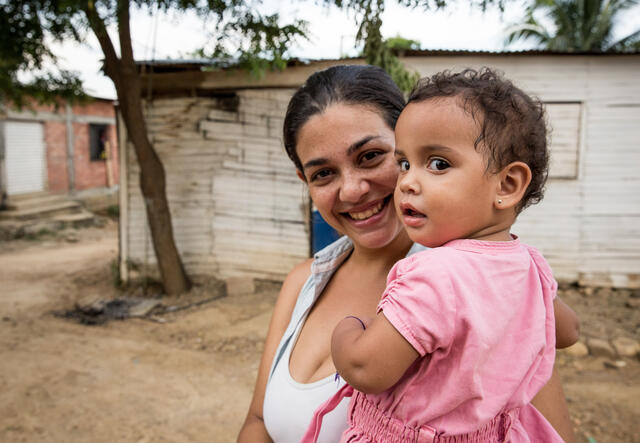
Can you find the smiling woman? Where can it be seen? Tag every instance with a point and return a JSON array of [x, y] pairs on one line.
[[339, 133], [352, 187]]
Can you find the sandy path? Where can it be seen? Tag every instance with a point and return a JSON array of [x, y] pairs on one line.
[[133, 381]]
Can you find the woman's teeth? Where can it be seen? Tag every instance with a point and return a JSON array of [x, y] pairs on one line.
[[368, 213]]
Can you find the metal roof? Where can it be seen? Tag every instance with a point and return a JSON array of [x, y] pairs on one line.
[[178, 65]]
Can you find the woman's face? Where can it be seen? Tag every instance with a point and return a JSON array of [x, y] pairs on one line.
[[348, 163]]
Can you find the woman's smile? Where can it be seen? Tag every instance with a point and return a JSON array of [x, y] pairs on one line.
[[368, 210]]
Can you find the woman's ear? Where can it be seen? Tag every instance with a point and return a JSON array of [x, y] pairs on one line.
[[514, 181], [301, 175]]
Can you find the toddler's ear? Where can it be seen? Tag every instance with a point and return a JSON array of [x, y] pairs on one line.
[[514, 180]]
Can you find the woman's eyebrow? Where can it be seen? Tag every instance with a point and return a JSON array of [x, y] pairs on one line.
[[360, 143], [315, 162], [350, 150]]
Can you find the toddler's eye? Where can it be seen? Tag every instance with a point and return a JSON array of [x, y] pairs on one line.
[[438, 164], [404, 165]]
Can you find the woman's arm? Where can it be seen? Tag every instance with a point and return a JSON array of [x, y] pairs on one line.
[[567, 324], [551, 403], [372, 359], [253, 429]]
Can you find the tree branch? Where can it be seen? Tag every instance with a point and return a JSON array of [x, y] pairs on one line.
[[124, 31], [97, 25]]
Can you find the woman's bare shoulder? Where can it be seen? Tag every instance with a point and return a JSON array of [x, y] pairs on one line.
[[293, 284]]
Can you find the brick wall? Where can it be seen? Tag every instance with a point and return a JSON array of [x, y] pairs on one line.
[[55, 139], [87, 174], [92, 173]]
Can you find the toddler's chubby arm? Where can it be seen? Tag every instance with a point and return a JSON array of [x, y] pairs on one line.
[[372, 359], [567, 324]]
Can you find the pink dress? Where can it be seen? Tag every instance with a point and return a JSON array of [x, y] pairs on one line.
[[480, 314]]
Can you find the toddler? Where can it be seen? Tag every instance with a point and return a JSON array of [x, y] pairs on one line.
[[464, 337]]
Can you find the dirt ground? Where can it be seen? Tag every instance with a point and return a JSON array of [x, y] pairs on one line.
[[190, 378]]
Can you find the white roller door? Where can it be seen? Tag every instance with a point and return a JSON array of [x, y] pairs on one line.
[[24, 157]]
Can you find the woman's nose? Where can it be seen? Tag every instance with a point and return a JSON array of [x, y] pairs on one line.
[[353, 188]]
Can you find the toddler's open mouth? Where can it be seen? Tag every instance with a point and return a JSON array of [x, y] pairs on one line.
[[410, 211]]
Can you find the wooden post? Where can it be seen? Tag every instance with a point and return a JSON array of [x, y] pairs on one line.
[[70, 163], [123, 200], [108, 163]]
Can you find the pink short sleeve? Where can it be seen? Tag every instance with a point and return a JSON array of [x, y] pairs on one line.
[[546, 274], [419, 302]]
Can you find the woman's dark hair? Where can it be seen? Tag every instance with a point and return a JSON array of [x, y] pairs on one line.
[[349, 84], [512, 123]]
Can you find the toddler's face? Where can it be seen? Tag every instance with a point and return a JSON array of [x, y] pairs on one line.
[[444, 191]]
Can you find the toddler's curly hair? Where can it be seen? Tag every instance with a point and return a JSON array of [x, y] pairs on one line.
[[512, 123]]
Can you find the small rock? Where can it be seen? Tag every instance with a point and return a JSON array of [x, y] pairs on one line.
[[71, 237], [91, 304], [615, 364], [143, 308], [588, 291], [601, 348], [578, 349], [625, 347]]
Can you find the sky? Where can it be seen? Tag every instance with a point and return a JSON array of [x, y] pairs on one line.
[[332, 33]]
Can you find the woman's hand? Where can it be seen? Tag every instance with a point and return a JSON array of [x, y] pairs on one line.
[[567, 324]]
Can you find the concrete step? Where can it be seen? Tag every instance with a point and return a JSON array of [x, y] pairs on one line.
[[29, 195], [35, 200], [43, 211], [80, 219]]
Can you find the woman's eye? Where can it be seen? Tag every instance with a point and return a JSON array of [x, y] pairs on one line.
[[321, 174], [404, 165], [438, 164], [369, 156]]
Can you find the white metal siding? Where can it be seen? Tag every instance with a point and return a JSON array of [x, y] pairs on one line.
[[610, 228], [564, 125], [24, 157]]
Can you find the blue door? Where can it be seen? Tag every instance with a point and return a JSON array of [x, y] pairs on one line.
[[321, 233]]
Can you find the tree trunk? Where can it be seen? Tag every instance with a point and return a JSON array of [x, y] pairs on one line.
[[152, 185], [124, 74]]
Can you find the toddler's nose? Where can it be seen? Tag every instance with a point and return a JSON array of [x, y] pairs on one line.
[[407, 184]]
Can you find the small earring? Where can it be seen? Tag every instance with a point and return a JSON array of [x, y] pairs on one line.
[[499, 201]]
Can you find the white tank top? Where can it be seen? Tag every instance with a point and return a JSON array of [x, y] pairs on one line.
[[289, 405]]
